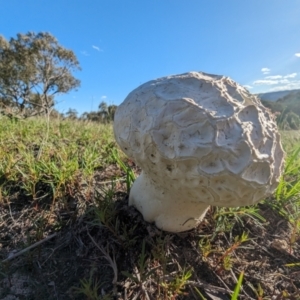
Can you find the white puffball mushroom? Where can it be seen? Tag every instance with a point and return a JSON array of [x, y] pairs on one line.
[[200, 140]]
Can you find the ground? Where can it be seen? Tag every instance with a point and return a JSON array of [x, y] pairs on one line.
[[106, 248]]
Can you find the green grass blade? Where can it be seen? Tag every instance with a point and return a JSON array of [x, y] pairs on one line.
[[292, 158], [199, 294], [237, 288]]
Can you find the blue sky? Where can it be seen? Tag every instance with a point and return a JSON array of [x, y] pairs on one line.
[[121, 44]]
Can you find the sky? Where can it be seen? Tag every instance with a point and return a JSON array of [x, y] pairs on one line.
[[122, 44]]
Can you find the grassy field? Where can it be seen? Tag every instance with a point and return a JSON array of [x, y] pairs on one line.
[[67, 232]]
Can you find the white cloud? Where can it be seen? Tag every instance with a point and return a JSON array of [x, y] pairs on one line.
[[96, 48], [84, 53], [279, 88], [291, 85], [103, 97], [267, 82], [265, 70], [272, 83], [249, 87], [281, 82], [290, 75], [284, 81], [274, 77], [297, 54]]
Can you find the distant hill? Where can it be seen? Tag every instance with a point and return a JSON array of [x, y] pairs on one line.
[[286, 107], [274, 96], [291, 98]]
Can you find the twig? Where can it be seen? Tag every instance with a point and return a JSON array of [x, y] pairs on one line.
[[204, 285], [53, 251], [110, 181], [263, 248], [137, 295], [112, 262], [226, 286], [142, 286], [30, 247], [11, 214], [208, 286]]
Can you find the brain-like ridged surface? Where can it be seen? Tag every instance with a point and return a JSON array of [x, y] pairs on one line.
[[204, 135]]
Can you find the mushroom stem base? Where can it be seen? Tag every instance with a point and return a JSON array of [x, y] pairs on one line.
[[169, 208]]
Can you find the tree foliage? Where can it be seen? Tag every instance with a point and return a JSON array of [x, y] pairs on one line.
[[105, 113], [71, 114], [288, 120], [287, 113], [34, 68]]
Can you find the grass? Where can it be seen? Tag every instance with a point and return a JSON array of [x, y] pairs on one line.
[[64, 203]]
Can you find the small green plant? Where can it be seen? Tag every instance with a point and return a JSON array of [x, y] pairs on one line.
[[227, 217], [224, 261], [227, 263], [259, 292], [90, 288], [289, 185], [105, 213], [130, 176], [206, 247], [225, 258], [141, 272], [287, 195], [175, 287], [127, 235]]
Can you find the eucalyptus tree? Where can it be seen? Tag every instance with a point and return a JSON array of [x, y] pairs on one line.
[[103, 111], [71, 113], [107, 112], [34, 68]]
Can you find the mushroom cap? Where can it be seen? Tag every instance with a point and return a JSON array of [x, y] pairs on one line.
[[203, 136]]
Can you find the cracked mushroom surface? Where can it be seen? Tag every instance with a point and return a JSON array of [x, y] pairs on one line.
[[200, 140]]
